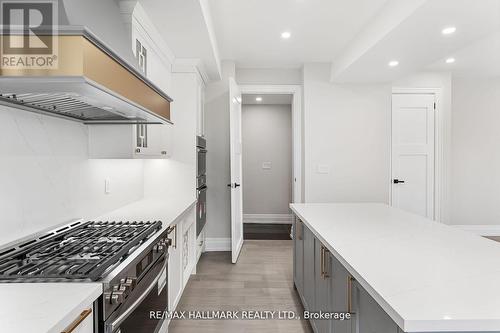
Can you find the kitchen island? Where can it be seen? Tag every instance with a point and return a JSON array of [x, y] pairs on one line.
[[393, 271]]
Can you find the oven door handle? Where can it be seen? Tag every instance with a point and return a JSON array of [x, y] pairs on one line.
[[118, 321]]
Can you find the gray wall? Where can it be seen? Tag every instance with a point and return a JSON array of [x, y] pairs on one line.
[[267, 137]]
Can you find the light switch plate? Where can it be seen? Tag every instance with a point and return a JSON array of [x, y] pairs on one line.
[[323, 169], [267, 165]]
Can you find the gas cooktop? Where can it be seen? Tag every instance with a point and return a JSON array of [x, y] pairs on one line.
[[78, 251]]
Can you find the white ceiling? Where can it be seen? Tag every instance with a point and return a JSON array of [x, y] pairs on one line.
[[187, 29], [417, 43], [479, 59], [248, 31], [359, 37], [280, 99]]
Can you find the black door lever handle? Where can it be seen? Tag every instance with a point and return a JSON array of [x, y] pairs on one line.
[[235, 185], [397, 181]]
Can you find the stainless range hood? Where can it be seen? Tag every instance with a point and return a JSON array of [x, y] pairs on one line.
[[91, 83]]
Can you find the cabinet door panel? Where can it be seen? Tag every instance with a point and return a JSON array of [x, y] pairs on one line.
[[308, 269], [298, 267], [322, 288], [340, 295], [370, 317], [174, 271]]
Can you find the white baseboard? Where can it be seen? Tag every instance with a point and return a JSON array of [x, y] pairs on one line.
[[217, 244], [481, 230], [268, 218]]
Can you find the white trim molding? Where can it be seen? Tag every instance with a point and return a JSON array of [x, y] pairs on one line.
[[440, 146], [217, 244], [268, 218], [296, 91], [186, 65], [481, 230]]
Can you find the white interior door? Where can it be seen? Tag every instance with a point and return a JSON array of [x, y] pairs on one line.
[[236, 169], [413, 131]]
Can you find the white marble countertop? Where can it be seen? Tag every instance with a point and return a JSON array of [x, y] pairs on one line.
[[50, 307], [44, 307], [429, 277]]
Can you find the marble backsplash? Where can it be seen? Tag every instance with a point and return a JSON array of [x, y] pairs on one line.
[[47, 179]]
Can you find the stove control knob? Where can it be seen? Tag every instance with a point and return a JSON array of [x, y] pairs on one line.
[[159, 247], [117, 297], [128, 284]]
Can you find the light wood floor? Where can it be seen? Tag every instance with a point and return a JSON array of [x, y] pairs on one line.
[[261, 280]]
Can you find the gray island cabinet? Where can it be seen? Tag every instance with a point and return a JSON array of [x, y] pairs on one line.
[[329, 285]]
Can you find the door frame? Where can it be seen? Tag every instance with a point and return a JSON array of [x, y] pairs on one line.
[[296, 92], [439, 157]]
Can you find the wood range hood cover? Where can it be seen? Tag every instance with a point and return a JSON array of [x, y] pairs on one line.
[[90, 84]]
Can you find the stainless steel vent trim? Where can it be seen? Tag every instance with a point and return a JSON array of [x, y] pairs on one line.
[[38, 82]]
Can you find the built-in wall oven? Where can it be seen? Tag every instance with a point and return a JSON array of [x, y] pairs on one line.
[[201, 184]]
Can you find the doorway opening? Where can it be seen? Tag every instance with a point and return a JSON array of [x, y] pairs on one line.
[[267, 156]]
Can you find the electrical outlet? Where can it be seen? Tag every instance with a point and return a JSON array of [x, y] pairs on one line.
[[107, 186]]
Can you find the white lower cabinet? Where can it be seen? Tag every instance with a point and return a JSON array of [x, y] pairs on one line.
[[83, 323], [175, 284], [182, 256], [130, 141]]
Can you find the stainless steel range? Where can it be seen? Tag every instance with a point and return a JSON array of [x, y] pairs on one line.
[[100, 251]]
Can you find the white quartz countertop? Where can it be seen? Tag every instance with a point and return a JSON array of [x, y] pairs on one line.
[[429, 277], [50, 307], [44, 307]]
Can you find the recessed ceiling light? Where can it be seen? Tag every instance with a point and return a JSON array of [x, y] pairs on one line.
[[393, 63], [450, 60], [448, 30], [258, 99], [286, 35], [107, 108]]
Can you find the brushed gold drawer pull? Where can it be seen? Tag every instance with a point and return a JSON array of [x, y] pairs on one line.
[[322, 261], [300, 229], [78, 321], [325, 261], [349, 294]]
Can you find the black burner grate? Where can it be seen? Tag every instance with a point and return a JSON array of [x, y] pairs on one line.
[[83, 252]]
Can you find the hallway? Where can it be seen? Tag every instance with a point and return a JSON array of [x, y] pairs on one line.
[[261, 280]]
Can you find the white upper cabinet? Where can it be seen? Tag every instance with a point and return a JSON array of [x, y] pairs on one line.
[[154, 59], [130, 141]]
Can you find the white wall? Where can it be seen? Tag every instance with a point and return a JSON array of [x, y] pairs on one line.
[[347, 133], [475, 151], [267, 137], [47, 179], [268, 76]]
